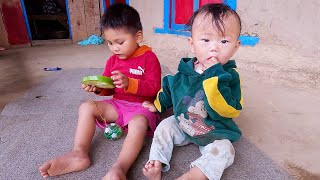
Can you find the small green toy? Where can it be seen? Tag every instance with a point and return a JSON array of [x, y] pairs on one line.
[[112, 132], [98, 81]]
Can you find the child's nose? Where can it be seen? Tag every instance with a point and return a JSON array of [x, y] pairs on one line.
[[213, 46], [116, 48]]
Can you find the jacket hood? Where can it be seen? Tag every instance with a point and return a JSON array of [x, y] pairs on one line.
[[186, 66]]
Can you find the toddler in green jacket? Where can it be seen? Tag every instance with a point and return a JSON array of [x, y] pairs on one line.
[[205, 96]]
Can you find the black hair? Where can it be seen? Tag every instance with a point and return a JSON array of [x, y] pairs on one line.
[[217, 12], [120, 16]]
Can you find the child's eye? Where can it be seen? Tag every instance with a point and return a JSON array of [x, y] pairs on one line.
[[109, 43], [205, 40], [121, 42], [224, 41]]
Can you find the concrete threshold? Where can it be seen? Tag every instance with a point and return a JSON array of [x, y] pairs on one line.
[[51, 42]]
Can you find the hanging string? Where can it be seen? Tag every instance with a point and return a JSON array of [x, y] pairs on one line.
[[104, 120]]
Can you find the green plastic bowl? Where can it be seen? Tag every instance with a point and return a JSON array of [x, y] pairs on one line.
[[98, 81]]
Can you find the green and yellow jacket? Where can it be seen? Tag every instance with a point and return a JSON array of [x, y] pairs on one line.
[[203, 104]]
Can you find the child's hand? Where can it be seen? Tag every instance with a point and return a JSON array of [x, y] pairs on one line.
[[89, 88], [149, 106], [119, 80], [209, 62]]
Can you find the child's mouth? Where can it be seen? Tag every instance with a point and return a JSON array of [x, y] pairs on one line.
[[212, 58]]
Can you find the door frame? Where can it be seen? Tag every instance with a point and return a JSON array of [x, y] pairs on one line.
[[111, 2], [27, 21]]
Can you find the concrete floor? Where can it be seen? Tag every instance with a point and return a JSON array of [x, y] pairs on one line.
[[281, 101]]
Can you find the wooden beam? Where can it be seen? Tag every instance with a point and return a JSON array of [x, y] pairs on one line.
[[92, 12], [77, 20], [48, 17], [3, 32]]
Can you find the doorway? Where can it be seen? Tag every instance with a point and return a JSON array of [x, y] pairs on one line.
[[48, 19]]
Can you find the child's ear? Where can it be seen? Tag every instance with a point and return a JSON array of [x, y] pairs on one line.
[[191, 44], [139, 37], [237, 45]]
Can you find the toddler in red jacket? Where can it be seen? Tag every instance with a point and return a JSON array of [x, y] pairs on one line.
[[136, 73]]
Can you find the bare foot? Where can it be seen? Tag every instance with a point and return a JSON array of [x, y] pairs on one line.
[[69, 162], [152, 170], [115, 173]]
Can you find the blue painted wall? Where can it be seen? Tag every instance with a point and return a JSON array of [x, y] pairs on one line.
[[178, 30]]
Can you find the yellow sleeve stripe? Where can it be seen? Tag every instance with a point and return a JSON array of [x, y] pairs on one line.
[[157, 101], [216, 100], [241, 100]]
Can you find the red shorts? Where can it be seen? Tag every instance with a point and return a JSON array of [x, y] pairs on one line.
[[126, 110]]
